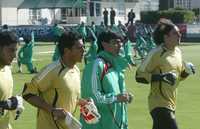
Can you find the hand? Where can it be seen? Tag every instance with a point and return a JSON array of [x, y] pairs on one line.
[[130, 97], [189, 68], [82, 102], [58, 113], [123, 97], [169, 78], [90, 112]]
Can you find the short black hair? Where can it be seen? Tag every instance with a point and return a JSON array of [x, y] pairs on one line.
[[106, 36], [7, 38], [27, 39], [67, 40], [163, 27], [5, 26]]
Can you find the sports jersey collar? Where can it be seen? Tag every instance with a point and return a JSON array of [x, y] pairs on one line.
[[62, 63], [167, 49], [2, 68], [107, 56]]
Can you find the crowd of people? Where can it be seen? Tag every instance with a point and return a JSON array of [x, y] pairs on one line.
[[101, 94]]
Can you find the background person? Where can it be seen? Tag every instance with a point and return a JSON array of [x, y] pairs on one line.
[[105, 17], [25, 55], [112, 17], [131, 16]]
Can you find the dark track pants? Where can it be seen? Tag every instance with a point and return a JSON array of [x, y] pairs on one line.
[[163, 118]]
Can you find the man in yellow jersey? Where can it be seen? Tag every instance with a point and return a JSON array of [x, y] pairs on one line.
[[55, 90], [164, 69], [8, 49]]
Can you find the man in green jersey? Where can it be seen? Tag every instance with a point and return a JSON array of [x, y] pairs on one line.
[[25, 55], [164, 68], [103, 81], [55, 90]]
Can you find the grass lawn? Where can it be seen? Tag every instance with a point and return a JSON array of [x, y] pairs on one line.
[[188, 111]]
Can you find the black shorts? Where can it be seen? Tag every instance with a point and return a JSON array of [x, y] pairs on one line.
[[163, 118]]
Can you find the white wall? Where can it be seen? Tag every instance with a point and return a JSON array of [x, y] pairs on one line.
[[23, 17], [9, 16], [195, 3]]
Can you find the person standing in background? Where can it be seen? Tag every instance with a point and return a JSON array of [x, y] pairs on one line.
[[112, 17], [105, 17], [131, 16]]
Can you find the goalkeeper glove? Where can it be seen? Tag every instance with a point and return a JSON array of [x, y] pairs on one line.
[[90, 113], [20, 107], [189, 68], [10, 104], [168, 77], [72, 122]]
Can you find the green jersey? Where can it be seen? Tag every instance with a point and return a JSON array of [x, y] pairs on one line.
[[103, 89], [25, 54]]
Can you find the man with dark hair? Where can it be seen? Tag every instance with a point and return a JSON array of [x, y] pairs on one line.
[[5, 28], [55, 90], [112, 16], [131, 16], [103, 81], [105, 17], [8, 103], [164, 68]]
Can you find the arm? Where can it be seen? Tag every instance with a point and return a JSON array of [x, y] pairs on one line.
[[144, 71], [187, 69], [37, 101], [100, 97], [19, 54], [150, 71]]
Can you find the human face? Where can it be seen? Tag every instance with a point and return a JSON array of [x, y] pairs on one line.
[[113, 46], [173, 37], [77, 51], [8, 53]]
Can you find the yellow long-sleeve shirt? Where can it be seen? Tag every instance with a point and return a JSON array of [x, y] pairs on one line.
[[59, 86], [161, 60], [6, 89]]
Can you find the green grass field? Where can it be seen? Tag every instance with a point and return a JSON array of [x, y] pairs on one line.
[[188, 111]]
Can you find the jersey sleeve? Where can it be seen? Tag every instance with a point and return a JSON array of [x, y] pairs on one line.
[[40, 83], [100, 97], [144, 71]]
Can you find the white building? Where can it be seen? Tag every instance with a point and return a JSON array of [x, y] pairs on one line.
[[195, 3], [15, 12]]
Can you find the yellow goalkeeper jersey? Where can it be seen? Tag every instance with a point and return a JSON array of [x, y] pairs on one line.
[[59, 86], [6, 89], [161, 60]]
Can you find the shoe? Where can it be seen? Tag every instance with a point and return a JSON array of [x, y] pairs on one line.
[[34, 71], [19, 71]]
